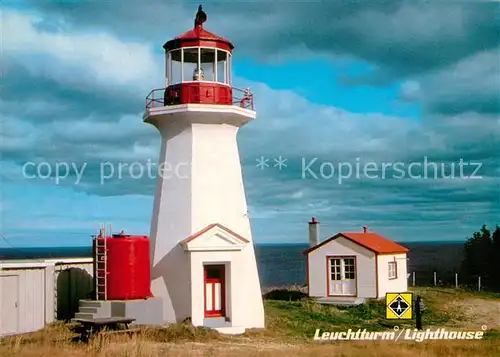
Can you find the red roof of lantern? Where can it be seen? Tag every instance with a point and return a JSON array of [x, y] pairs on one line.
[[199, 37]]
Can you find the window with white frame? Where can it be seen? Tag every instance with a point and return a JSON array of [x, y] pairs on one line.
[[349, 269], [335, 270], [393, 270]]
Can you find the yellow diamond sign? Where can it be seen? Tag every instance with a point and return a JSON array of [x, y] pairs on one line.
[[398, 306]]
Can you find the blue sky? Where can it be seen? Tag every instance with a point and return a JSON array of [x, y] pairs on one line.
[[335, 83]]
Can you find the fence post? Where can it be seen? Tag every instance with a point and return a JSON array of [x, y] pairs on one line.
[[413, 278], [435, 279], [456, 280], [478, 283]]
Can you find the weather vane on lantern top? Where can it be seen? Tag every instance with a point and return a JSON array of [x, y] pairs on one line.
[[200, 18]]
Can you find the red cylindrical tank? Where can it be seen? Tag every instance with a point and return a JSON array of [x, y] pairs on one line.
[[127, 267]]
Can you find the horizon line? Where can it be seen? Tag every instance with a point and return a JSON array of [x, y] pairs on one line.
[[256, 244]]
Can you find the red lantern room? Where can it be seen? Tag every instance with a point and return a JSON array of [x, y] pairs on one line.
[[198, 70]]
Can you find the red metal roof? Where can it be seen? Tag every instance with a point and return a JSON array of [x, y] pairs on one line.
[[199, 33], [371, 241], [199, 37]]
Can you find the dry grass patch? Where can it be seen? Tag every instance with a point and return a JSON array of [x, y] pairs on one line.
[[291, 323], [138, 346]]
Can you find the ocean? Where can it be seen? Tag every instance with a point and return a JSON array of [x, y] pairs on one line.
[[284, 264]]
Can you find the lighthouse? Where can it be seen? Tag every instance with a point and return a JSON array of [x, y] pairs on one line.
[[202, 253]]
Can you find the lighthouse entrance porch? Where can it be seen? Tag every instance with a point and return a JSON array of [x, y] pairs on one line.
[[217, 261]]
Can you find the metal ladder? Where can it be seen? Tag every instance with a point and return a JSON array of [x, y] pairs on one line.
[[101, 257]]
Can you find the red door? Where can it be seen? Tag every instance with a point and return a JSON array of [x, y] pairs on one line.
[[214, 290]]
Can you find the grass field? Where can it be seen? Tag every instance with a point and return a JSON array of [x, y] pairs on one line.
[[290, 327]]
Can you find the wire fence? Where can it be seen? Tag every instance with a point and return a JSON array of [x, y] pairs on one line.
[[447, 279]]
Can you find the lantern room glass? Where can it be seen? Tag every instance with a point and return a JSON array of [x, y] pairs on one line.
[[198, 64], [190, 64], [207, 60], [174, 66]]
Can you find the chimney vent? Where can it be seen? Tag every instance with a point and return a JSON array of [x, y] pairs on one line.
[[313, 232], [365, 229]]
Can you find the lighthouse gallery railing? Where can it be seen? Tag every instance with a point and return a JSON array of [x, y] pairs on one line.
[[240, 97]]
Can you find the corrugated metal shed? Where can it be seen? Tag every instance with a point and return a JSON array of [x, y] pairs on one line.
[[36, 292]]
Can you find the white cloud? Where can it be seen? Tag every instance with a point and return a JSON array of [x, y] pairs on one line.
[[470, 85], [410, 90], [77, 58], [475, 76], [413, 21]]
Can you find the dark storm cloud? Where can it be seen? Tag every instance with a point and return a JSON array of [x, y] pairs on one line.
[[43, 99], [399, 38], [441, 191], [485, 105]]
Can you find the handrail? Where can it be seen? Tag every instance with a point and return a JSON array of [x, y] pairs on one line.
[[246, 99], [240, 97]]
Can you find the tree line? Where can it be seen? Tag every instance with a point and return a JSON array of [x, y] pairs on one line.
[[482, 258]]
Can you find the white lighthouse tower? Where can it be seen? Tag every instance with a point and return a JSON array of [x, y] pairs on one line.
[[203, 259]]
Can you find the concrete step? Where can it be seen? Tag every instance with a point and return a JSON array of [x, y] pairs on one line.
[[216, 322], [230, 330], [341, 301], [89, 303], [102, 314], [88, 310], [96, 308], [82, 315]]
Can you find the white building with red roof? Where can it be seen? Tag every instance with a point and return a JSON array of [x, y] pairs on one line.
[[355, 266]]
